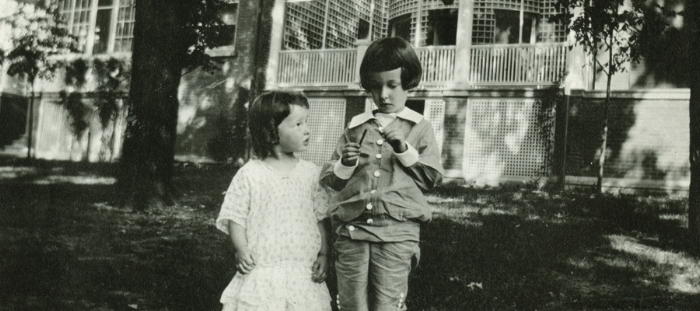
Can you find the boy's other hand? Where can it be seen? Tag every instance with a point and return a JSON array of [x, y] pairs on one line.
[[351, 151], [395, 137], [319, 269]]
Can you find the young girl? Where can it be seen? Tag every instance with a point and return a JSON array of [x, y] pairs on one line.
[[382, 163], [273, 212]]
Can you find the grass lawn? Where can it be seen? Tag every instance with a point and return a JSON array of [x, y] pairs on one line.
[[65, 246]]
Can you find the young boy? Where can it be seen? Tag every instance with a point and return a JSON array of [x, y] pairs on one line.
[[382, 163]]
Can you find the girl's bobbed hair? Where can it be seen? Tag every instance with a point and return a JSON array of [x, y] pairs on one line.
[[266, 114], [388, 54]]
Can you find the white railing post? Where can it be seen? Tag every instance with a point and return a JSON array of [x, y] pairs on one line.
[[362, 46], [462, 62]]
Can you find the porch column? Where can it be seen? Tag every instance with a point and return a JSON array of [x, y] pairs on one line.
[[419, 28], [276, 38], [362, 46], [464, 43], [578, 69]]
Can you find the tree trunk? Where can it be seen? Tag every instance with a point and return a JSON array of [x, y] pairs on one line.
[[157, 62], [694, 191], [261, 55], [30, 131], [606, 112]]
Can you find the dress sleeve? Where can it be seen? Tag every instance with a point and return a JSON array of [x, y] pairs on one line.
[[236, 202]]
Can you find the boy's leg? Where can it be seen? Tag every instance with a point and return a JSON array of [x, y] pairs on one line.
[[352, 266], [390, 266]]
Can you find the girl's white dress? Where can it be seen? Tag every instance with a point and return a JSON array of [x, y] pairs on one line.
[[280, 214]]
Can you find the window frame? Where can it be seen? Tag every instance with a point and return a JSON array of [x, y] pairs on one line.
[[89, 47], [92, 25], [227, 50]]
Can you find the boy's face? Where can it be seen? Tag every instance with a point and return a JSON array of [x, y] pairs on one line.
[[387, 92], [293, 132]]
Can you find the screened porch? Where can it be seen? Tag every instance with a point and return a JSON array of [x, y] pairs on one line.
[[489, 65]]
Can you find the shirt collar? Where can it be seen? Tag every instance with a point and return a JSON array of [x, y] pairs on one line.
[[406, 114]]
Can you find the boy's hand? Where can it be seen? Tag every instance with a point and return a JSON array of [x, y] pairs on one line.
[[245, 262], [394, 136], [351, 152], [319, 269]]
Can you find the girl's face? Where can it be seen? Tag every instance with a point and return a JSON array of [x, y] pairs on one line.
[[387, 92], [293, 132]]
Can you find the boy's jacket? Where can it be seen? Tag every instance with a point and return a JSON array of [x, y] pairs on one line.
[[380, 179]]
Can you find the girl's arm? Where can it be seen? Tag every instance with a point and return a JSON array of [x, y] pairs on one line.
[[321, 263], [245, 262]]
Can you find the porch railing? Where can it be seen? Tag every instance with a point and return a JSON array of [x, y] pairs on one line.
[[501, 64], [438, 64], [517, 64], [317, 67]]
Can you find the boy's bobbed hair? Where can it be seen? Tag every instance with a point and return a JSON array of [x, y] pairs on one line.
[[266, 114], [388, 54]]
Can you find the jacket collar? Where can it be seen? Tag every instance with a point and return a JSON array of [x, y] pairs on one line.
[[406, 114]]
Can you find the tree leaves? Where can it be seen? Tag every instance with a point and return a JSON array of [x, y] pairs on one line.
[[37, 34]]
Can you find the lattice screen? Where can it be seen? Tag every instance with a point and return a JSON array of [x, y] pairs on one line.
[[435, 113], [326, 121], [304, 23], [502, 138], [54, 135]]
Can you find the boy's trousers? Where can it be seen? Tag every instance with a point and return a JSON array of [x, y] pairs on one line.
[[373, 276]]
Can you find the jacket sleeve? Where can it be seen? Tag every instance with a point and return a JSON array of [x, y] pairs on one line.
[[428, 171], [328, 177]]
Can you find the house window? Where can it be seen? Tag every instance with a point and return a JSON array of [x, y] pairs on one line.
[[508, 30], [228, 14], [500, 22], [107, 26], [101, 26], [124, 36], [77, 14]]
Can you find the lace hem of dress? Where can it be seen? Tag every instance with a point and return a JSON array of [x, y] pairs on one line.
[[286, 287]]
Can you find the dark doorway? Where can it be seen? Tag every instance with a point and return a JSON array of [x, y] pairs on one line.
[[417, 105], [13, 118], [401, 27], [442, 27]]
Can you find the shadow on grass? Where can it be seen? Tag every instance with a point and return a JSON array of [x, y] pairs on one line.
[[514, 248], [67, 247]]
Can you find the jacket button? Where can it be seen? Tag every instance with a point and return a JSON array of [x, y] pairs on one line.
[[369, 206], [378, 156], [351, 228], [380, 142], [376, 174], [370, 221], [373, 191]]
